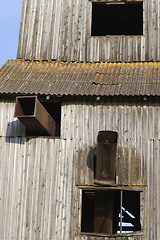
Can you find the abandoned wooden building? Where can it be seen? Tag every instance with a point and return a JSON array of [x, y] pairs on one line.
[[79, 122]]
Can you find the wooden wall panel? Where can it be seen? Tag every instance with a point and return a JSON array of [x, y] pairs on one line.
[[38, 178], [60, 30]]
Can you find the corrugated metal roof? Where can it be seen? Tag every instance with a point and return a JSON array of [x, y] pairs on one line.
[[57, 78]]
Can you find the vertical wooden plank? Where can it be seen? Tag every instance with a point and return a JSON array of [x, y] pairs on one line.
[[129, 57], [125, 48], [107, 49], [133, 154], [37, 41], [155, 187], [134, 49], [88, 43], [70, 27], [151, 190], [68, 119], [158, 193], [61, 190], [149, 26], [56, 30], [119, 47], [29, 41], [142, 210], [69, 193], [1, 184], [142, 58], [22, 30], [82, 31], [22, 187], [111, 59], [50, 182], [47, 186], [120, 142], [154, 29], [129, 137], [26, 28], [54, 190], [14, 186], [72, 119], [139, 144], [158, 30], [74, 30], [47, 30], [33, 185], [63, 28], [144, 141], [4, 155], [125, 166], [2, 110]]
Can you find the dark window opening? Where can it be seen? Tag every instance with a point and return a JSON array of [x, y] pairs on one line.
[[106, 157], [110, 211], [131, 211], [54, 109], [117, 19]]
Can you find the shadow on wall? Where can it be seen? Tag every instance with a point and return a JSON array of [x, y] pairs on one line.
[[16, 133], [91, 158], [15, 129]]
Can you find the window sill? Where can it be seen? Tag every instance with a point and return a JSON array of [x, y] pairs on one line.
[[133, 188], [117, 36], [132, 234], [48, 137]]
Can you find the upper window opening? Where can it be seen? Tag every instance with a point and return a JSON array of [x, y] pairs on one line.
[[117, 19], [110, 212], [40, 119]]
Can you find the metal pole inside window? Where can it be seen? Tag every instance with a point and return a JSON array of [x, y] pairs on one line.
[[121, 212]]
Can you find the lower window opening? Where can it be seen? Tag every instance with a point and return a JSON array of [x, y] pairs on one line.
[[110, 212]]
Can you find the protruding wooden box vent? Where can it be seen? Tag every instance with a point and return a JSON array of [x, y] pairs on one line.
[[34, 116]]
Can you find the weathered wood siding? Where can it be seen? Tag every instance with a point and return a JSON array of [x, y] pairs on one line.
[[60, 30], [39, 198]]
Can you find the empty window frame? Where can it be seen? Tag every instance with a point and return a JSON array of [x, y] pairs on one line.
[[122, 18], [110, 212]]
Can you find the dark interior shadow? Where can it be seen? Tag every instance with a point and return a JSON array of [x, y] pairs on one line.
[[91, 158]]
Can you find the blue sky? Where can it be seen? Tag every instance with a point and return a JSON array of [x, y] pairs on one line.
[[10, 16]]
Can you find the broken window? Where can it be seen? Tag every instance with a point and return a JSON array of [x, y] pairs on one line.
[[117, 18], [40, 119], [110, 211], [105, 164]]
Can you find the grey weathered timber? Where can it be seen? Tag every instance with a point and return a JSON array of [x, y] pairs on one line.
[[61, 30], [42, 178]]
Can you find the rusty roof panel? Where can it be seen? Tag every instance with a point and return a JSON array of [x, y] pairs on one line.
[[58, 78]]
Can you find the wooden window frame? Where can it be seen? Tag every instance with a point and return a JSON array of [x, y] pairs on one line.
[[141, 190]]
